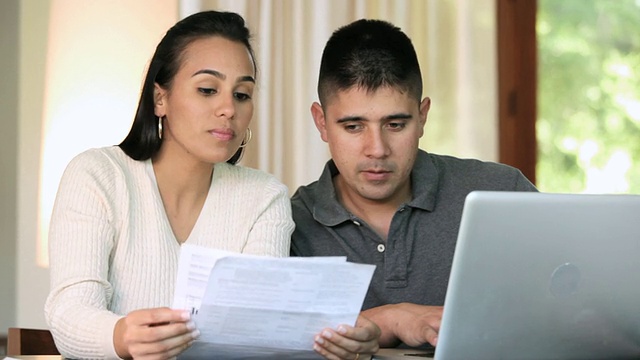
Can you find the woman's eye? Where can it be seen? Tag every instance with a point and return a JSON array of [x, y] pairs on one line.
[[242, 96], [207, 91]]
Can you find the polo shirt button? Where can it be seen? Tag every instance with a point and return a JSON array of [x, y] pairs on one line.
[[355, 222], [380, 247], [401, 209]]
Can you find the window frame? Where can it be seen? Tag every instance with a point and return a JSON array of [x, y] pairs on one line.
[[517, 84]]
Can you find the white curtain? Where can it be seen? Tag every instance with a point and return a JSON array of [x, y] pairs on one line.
[[455, 42]]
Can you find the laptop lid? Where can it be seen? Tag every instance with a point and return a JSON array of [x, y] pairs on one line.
[[544, 276]]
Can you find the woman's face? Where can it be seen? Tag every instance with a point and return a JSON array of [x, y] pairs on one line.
[[209, 104]]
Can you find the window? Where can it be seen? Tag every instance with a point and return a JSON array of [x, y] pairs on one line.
[[588, 125], [569, 106]]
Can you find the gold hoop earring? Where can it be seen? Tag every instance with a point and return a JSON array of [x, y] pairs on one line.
[[160, 127], [247, 138]]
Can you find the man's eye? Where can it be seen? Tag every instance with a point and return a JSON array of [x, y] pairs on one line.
[[353, 127], [396, 126], [207, 91], [242, 96]]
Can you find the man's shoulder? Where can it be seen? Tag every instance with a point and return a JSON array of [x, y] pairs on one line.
[[468, 164], [320, 189], [305, 191], [460, 162], [480, 173], [303, 201]]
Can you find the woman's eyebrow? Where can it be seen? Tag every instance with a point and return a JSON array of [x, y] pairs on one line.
[[222, 76], [215, 73]]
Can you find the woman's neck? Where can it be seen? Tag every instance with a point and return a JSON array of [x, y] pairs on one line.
[[183, 185], [178, 176]]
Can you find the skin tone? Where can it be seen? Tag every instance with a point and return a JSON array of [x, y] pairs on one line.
[[411, 324], [348, 342], [373, 137], [206, 112]]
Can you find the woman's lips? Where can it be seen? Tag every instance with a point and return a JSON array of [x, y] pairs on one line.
[[222, 134]]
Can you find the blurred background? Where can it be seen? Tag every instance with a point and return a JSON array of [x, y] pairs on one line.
[[71, 73]]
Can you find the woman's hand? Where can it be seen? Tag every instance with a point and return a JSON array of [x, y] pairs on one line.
[[348, 342], [159, 333]]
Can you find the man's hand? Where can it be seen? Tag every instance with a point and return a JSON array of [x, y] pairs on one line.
[[159, 333], [347, 342], [409, 323]]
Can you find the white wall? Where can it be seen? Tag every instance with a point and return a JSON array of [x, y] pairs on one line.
[[24, 35], [33, 281], [9, 22]]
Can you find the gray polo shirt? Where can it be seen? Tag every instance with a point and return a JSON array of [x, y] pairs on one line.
[[413, 265]]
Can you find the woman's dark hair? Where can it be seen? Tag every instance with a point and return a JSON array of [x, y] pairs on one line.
[[143, 140]]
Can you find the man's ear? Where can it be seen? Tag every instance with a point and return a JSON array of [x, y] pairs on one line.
[[159, 100], [319, 119], [425, 105]]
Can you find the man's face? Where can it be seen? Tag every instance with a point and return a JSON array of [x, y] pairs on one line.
[[373, 138]]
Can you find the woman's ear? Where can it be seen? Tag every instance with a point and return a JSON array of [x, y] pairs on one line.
[[159, 100]]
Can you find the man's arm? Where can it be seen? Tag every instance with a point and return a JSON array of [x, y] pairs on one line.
[[409, 323]]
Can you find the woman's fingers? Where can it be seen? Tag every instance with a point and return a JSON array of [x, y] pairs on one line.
[[154, 333], [166, 348], [347, 342]]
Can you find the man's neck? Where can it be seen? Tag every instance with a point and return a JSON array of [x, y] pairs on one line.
[[378, 214]]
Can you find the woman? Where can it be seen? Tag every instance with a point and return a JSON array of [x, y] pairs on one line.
[[122, 212]]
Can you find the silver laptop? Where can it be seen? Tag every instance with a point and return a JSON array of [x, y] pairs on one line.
[[544, 276]]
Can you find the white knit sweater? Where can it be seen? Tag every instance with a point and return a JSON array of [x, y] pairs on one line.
[[112, 249]]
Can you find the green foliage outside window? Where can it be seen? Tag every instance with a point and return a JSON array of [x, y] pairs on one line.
[[588, 124]]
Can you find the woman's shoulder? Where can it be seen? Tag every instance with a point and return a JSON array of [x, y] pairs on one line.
[[242, 176], [103, 156], [103, 162]]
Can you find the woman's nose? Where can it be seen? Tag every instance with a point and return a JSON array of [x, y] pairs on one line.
[[225, 106]]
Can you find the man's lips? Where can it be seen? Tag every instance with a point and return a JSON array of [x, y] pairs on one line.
[[376, 174]]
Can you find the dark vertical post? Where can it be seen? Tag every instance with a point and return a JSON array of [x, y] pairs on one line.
[[517, 84]]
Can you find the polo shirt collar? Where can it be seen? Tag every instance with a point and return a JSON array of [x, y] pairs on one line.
[[327, 209], [424, 184]]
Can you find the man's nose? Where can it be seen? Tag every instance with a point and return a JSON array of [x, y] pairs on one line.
[[376, 144]]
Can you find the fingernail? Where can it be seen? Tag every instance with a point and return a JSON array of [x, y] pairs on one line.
[[327, 334], [319, 340], [342, 329], [195, 334], [185, 315], [191, 325]]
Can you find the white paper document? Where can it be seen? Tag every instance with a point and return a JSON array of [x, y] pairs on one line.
[[251, 307]]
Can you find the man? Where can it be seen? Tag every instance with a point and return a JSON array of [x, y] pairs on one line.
[[381, 200]]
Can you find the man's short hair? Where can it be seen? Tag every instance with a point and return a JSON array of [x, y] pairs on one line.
[[369, 54]]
